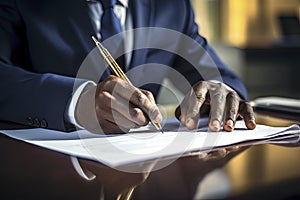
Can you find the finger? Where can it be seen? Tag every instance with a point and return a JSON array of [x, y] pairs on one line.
[[149, 95], [216, 154], [123, 122], [247, 113], [129, 112], [109, 84], [197, 99], [108, 127], [103, 105], [233, 149], [218, 102], [140, 100], [232, 108], [132, 94], [181, 110], [117, 86], [109, 110]]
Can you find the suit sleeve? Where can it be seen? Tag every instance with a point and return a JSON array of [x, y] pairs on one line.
[[26, 97], [212, 67]]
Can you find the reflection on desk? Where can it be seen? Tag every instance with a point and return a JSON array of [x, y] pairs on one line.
[[265, 171], [30, 172]]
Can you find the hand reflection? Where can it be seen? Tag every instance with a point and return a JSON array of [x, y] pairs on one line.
[[116, 184], [181, 179]]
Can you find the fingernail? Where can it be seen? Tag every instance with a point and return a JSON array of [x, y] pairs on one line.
[[216, 125], [229, 124], [189, 122], [252, 124]]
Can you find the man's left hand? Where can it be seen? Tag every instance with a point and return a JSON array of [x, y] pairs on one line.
[[223, 104]]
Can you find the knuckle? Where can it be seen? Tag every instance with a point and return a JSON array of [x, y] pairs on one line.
[[103, 96], [200, 98], [147, 93], [112, 78], [140, 98], [215, 85], [110, 81], [246, 111], [231, 114], [218, 96], [248, 116], [232, 95], [199, 92], [138, 117], [201, 85], [246, 106], [219, 85], [136, 113], [194, 112]]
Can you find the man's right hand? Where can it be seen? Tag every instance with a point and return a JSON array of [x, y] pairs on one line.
[[115, 106]]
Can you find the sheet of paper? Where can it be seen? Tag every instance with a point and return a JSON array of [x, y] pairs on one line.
[[145, 143]]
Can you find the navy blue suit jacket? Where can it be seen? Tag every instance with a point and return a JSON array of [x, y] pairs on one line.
[[44, 42]]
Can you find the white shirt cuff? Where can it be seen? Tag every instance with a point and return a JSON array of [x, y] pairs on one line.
[[70, 117], [87, 175]]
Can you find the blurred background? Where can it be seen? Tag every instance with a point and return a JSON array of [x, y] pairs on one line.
[[259, 39]]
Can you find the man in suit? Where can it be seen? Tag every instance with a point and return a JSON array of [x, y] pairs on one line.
[[44, 43]]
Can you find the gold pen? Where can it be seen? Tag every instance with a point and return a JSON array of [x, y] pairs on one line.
[[114, 67]]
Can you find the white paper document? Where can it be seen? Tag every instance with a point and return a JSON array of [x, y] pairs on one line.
[[146, 144]]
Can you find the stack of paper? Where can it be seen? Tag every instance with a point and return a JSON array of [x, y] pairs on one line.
[[146, 144]]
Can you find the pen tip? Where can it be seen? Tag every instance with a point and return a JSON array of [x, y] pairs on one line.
[[158, 127]]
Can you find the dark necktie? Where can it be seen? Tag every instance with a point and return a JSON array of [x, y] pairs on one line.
[[110, 26]]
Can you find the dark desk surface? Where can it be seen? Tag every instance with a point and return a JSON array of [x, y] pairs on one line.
[[31, 172], [266, 170]]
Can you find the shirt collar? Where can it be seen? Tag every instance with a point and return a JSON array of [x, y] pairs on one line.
[[123, 2]]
